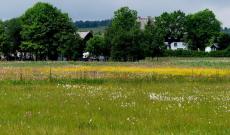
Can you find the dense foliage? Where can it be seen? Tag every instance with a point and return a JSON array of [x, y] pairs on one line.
[[202, 28], [192, 53], [172, 26], [47, 32], [97, 46], [153, 42], [124, 36]]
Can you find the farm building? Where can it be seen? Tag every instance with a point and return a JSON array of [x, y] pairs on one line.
[[175, 44], [85, 35], [211, 48]]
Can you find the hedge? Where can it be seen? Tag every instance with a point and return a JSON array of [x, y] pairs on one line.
[[189, 53]]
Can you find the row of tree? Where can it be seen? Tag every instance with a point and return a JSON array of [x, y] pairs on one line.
[[126, 41], [45, 33]]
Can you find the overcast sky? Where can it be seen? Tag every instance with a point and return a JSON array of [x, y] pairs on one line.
[[103, 9]]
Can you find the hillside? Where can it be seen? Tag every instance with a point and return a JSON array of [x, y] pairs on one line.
[[95, 26], [96, 30]]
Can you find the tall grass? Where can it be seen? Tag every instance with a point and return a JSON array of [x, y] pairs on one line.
[[35, 100]]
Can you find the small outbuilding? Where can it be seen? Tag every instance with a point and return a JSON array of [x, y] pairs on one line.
[[211, 48]]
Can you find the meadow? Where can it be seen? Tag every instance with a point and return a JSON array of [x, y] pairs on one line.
[[168, 96]]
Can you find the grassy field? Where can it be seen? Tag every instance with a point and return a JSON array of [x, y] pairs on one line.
[[169, 96]]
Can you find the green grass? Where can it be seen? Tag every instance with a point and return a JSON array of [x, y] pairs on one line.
[[140, 106], [166, 61]]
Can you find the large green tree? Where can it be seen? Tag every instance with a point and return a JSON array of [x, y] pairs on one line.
[[123, 35], [70, 48], [13, 37], [223, 40], [47, 32], [153, 41], [97, 46], [201, 28], [171, 26]]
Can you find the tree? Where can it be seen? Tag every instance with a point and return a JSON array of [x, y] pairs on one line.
[[71, 48], [2, 36], [13, 37], [46, 31], [4, 46], [153, 41], [171, 26], [97, 46], [201, 28], [223, 40], [123, 36]]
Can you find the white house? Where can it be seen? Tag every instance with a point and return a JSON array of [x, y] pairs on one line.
[[176, 46], [211, 48]]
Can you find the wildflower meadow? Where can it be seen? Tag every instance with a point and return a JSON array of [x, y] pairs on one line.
[[169, 96]]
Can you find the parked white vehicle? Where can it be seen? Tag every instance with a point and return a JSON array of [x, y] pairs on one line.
[[86, 55]]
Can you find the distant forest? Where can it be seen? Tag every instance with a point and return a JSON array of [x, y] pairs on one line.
[[92, 24]]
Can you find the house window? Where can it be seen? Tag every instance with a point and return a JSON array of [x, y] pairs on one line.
[[175, 44]]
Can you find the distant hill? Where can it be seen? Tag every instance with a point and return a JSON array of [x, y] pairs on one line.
[[95, 26], [92, 24], [96, 30]]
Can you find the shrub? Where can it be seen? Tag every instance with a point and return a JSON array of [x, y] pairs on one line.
[[190, 53]]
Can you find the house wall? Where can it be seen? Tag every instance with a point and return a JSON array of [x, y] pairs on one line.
[[178, 46], [143, 22], [208, 49]]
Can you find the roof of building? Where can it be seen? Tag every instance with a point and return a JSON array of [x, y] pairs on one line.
[[83, 35], [215, 45]]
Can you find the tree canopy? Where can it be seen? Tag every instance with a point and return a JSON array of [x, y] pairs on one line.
[[123, 35], [97, 46], [153, 40], [201, 28], [46, 31], [171, 26]]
